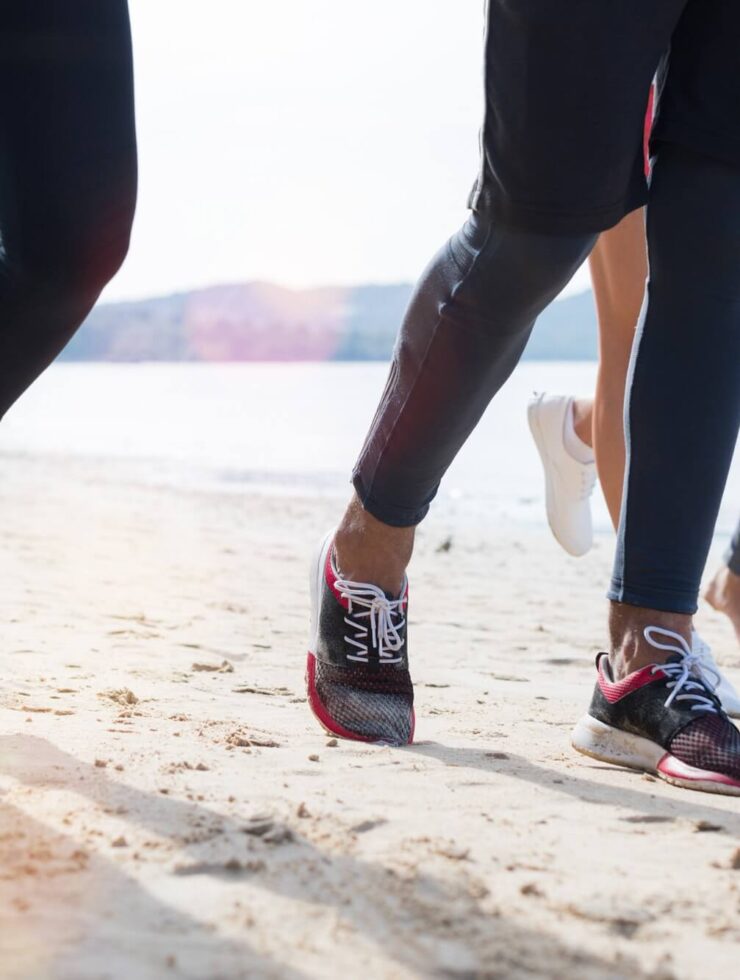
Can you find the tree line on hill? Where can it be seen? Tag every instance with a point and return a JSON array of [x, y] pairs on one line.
[[264, 322]]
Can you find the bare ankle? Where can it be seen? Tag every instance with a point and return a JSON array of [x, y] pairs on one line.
[[583, 418], [369, 551], [630, 649]]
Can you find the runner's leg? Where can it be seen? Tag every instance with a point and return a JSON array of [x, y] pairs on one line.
[[67, 173], [618, 271], [723, 592], [464, 333], [561, 162], [684, 398]]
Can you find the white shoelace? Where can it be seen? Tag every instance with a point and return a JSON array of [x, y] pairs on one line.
[[681, 672], [368, 602]]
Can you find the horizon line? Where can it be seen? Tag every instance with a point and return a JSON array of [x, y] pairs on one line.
[[171, 294]]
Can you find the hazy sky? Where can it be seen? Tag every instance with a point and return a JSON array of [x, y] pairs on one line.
[[302, 141]]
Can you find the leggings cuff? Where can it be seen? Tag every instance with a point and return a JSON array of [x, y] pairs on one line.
[[672, 602], [386, 513]]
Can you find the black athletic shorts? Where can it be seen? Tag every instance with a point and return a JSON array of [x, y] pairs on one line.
[[567, 84]]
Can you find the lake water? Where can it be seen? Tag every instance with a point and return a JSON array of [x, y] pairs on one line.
[[283, 427]]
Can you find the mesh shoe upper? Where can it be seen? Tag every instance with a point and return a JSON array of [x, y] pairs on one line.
[[377, 705], [711, 742]]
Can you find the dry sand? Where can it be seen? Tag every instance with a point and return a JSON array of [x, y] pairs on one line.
[[202, 826]]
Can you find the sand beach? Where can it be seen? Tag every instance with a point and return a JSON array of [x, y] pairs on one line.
[[168, 808]]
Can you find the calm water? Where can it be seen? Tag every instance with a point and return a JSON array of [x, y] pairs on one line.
[[286, 427]]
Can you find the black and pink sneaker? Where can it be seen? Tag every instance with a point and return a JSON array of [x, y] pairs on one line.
[[357, 674], [663, 719]]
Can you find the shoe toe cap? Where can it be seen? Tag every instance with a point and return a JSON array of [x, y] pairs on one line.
[[376, 717], [573, 529]]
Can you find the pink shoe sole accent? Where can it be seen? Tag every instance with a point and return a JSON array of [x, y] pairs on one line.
[[672, 768]]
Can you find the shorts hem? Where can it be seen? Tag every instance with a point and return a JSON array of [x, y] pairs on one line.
[[698, 140], [542, 220]]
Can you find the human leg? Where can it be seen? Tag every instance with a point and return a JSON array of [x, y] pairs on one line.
[[723, 592], [464, 332], [654, 705], [67, 173], [570, 433], [462, 336], [561, 163], [618, 270], [684, 402]]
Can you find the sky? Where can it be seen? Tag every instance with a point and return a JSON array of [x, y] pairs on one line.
[[306, 142]]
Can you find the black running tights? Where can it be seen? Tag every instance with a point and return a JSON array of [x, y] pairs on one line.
[[468, 324], [67, 173]]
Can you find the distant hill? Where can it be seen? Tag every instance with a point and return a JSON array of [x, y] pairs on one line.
[[262, 322]]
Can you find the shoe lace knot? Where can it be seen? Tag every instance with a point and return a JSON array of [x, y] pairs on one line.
[[691, 678], [377, 622]]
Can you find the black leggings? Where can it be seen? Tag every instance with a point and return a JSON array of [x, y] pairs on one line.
[[67, 173], [468, 324]]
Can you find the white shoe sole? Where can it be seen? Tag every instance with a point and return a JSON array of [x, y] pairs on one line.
[[547, 463], [600, 741]]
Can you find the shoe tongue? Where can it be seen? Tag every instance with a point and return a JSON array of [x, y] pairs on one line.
[[675, 658]]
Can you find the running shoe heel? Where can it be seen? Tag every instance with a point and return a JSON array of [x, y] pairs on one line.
[[601, 741], [316, 572]]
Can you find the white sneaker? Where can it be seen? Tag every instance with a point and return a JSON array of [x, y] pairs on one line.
[[568, 483], [724, 689]]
